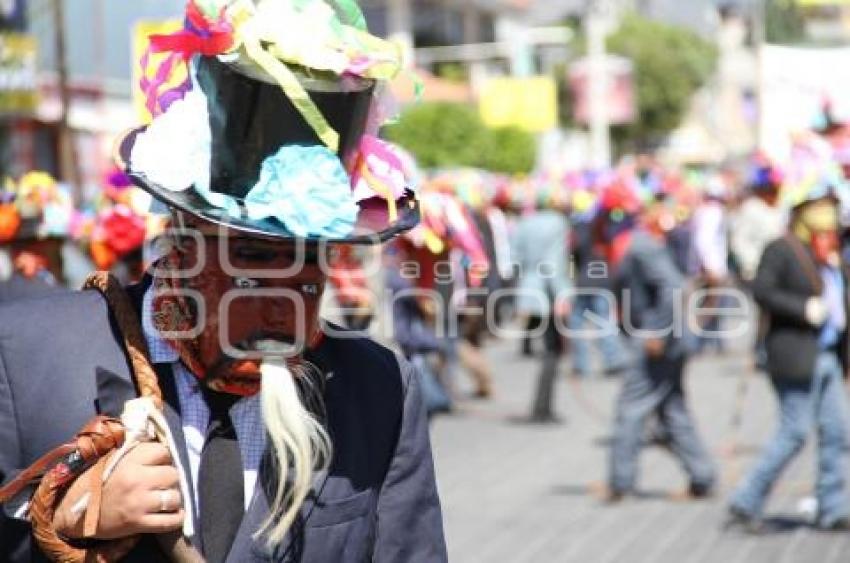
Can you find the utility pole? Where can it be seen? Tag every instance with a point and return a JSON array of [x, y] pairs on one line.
[[759, 23], [12, 20], [401, 27], [68, 167], [597, 25]]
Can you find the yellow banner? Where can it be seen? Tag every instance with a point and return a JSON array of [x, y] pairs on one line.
[[18, 73], [807, 3], [141, 32], [528, 103]]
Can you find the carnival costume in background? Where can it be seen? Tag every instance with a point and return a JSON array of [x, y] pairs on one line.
[[710, 230], [451, 268], [351, 289], [413, 328], [36, 216], [645, 272], [591, 318], [540, 248], [801, 285]]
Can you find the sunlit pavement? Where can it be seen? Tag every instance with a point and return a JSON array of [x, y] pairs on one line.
[[513, 492]]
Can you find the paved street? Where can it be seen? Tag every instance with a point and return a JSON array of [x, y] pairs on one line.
[[517, 493]]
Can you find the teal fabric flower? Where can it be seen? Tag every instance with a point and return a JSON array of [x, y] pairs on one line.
[[307, 189]]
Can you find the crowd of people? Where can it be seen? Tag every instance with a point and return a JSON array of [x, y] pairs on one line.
[[650, 265]]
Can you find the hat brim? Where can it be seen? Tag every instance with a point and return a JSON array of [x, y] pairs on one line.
[[373, 225]]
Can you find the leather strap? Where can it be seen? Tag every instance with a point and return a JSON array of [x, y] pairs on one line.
[[95, 480], [98, 437], [34, 473], [806, 262], [130, 326]]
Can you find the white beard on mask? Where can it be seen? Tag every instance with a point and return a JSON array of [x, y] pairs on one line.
[[299, 443]]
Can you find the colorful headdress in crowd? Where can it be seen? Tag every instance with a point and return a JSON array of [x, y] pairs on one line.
[[118, 231], [35, 207], [274, 131], [813, 173], [620, 197], [764, 175]]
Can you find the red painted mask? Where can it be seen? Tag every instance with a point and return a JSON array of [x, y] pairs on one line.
[[825, 246], [30, 264], [244, 295]]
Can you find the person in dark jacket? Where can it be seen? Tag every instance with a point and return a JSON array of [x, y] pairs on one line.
[[591, 305], [293, 440], [802, 286], [649, 288]]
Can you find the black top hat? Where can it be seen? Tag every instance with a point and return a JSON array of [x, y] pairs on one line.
[[251, 119]]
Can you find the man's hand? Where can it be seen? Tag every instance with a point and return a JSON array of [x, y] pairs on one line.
[[142, 496], [816, 311], [654, 347]]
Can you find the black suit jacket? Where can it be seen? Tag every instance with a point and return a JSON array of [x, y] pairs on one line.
[[781, 287], [377, 502]]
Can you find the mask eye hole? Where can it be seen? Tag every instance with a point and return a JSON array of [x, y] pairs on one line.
[[245, 283]]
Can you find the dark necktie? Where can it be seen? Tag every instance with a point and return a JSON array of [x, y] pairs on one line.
[[220, 481]]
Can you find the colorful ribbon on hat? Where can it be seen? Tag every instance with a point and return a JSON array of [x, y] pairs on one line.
[[200, 35], [294, 91], [158, 101], [340, 44], [381, 169], [352, 13]]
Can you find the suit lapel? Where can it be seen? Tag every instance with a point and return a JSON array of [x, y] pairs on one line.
[[245, 547]]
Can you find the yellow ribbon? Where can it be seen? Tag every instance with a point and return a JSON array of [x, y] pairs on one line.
[[433, 242], [294, 91], [384, 60]]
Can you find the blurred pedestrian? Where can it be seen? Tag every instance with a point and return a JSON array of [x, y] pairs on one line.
[[802, 285], [710, 239], [649, 287], [592, 306], [758, 221], [413, 316], [541, 248], [351, 288]]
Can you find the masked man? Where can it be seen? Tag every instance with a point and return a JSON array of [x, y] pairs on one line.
[[295, 440], [35, 214], [802, 286], [648, 286]]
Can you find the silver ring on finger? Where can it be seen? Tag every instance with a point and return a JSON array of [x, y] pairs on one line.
[[163, 500]]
